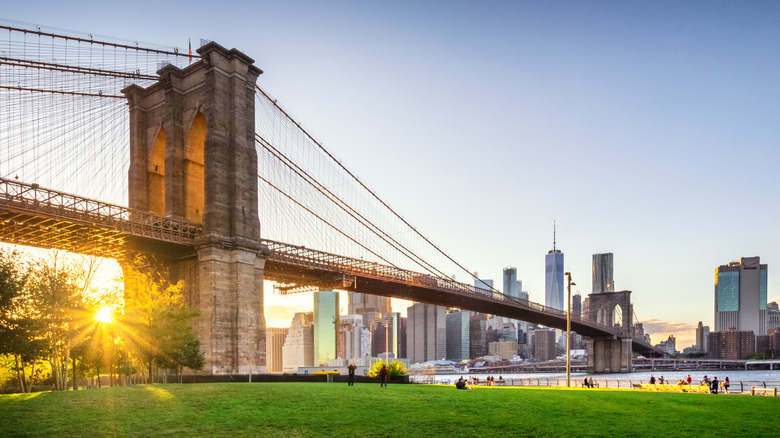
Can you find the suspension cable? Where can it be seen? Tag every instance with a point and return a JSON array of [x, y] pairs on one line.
[[319, 145]]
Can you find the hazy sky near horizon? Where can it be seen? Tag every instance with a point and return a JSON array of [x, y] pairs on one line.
[[645, 129]]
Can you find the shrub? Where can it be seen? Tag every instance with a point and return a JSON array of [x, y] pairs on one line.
[[395, 369]]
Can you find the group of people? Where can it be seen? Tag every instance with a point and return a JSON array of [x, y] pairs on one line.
[[461, 384], [474, 380], [588, 382], [653, 381], [713, 384]]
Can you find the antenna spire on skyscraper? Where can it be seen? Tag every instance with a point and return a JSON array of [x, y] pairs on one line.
[[553, 235]]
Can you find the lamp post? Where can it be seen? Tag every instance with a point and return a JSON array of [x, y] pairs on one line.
[[569, 283]]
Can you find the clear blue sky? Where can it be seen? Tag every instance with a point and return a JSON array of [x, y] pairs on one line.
[[649, 130]]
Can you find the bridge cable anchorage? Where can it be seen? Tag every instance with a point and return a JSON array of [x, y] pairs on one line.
[[338, 163], [344, 206]]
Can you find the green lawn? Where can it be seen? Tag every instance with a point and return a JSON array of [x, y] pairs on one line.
[[334, 409]]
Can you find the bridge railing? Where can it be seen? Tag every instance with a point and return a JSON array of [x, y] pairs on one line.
[[302, 256], [35, 200]]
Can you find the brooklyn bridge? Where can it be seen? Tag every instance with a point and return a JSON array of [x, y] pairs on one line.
[[113, 149]]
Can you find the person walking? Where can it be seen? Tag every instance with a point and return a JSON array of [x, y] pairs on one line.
[[351, 368], [652, 380], [383, 377], [688, 379]]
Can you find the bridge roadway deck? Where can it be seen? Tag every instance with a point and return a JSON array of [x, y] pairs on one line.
[[34, 216]]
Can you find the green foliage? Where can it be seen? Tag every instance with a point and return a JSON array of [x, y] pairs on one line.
[[761, 355], [328, 410], [395, 369], [159, 319]]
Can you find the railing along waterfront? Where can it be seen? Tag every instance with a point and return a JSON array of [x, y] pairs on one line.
[[736, 386]]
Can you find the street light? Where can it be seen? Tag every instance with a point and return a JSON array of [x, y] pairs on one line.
[[569, 284]]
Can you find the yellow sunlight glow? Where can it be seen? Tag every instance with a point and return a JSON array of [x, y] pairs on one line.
[[104, 314]]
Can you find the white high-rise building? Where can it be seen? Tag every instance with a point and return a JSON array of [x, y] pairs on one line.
[[298, 350], [350, 332]]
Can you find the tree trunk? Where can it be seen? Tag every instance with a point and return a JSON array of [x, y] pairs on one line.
[[19, 374], [75, 382], [32, 377], [55, 368], [65, 366]]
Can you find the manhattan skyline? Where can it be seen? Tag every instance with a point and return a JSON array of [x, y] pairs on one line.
[[648, 131]]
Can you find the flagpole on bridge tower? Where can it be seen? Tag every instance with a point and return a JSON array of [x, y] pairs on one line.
[[568, 327]]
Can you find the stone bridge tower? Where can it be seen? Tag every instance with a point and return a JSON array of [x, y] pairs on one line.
[[193, 157], [611, 354]]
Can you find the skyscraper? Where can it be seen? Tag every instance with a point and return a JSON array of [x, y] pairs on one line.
[[477, 335], [274, 344], [512, 287], [387, 336], [350, 334], [326, 324], [702, 336], [740, 296], [544, 344], [576, 305], [298, 350], [483, 283], [368, 303], [553, 277], [426, 333], [602, 273], [458, 334]]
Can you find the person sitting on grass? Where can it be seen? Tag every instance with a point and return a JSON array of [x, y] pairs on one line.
[[460, 384]]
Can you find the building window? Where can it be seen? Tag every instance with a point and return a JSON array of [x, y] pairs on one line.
[[728, 291]]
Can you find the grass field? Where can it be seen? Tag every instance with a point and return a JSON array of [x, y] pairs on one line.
[[334, 409]]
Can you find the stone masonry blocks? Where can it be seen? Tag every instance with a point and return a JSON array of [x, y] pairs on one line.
[[224, 279]]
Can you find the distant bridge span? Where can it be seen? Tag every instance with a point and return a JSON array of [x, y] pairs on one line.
[[35, 216]]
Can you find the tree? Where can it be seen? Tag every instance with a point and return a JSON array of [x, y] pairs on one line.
[[59, 289], [395, 369], [19, 330], [159, 319]]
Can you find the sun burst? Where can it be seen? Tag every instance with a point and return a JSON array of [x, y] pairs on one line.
[[104, 315]]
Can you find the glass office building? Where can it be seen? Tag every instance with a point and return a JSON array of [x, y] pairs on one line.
[[553, 280], [740, 296], [326, 323]]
